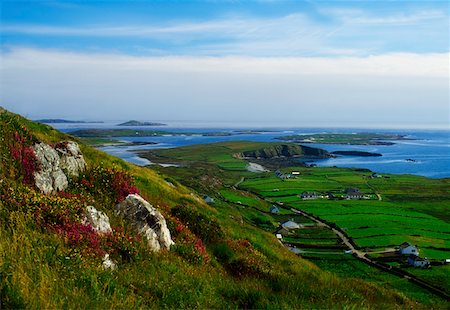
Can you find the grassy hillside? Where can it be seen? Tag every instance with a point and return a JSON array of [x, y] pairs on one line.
[[49, 259], [396, 208]]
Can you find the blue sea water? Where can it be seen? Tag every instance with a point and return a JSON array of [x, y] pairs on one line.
[[429, 150]]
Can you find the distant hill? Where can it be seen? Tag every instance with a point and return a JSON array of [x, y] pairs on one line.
[[62, 121], [138, 123]]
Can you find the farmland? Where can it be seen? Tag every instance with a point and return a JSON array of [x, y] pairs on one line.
[[397, 209]]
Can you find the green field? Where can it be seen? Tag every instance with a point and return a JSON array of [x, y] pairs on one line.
[[401, 207]]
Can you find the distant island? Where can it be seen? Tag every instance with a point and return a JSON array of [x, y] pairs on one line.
[[102, 133], [63, 121], [138, 123], [346, 138], [356, 153]]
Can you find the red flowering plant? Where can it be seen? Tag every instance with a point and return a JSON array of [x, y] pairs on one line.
[[64, 216], [19, 141], [111, 185], [187, 244]]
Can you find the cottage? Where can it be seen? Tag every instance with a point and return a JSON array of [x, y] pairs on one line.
[[417, 261], [408, 249], [290, 225], [208, 199], [282, 175], [353, 193], [274, 209], [309, 195]]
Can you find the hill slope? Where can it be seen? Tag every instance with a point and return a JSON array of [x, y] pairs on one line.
[[49, 258]]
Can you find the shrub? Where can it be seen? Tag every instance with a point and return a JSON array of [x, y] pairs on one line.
[[246, 261], [112, 185], [187, 244], [206, 228]]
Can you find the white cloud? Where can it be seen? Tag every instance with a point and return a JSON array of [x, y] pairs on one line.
[[317, 91], [349, 32]]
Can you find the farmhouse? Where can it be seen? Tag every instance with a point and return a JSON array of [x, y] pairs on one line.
[[417, 261], [408, 249], [309, 195], [208, 199], [353, 193], [290, 225], [282, 175], [274, 209]]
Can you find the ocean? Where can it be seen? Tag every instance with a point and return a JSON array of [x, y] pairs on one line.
[[427, 154]]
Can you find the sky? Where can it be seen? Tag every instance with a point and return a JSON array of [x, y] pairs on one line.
[[267, 62]]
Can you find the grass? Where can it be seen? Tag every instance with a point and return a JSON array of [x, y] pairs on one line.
[[412, 208], [41, 269]]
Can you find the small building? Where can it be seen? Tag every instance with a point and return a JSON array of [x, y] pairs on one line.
[[282, 175], [274, 209], [279, 236], [309, 195], [295, 173], [408, 249], [353, 193], [417, 261], [208, 199], [290, 225]]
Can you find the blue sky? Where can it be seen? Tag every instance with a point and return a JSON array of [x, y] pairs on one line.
[[229, 60]]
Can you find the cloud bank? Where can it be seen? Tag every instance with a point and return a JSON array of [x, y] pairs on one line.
[[399, 89]]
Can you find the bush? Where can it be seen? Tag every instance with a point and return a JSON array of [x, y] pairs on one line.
[[206, 228], [111, 185], [187, 244]]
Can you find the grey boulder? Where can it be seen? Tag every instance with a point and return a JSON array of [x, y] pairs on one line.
[[147, 220]]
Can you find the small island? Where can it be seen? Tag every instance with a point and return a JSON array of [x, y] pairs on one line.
[[346, 138], [64, 121], [138, 123], [356, 153]]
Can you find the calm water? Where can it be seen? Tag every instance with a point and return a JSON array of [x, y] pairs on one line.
[[430, 150]]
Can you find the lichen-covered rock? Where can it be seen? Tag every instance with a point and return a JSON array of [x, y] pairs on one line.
[[147, 220], [49, 177], [98, 220], [108, 263], [71, 159], [53, 163]]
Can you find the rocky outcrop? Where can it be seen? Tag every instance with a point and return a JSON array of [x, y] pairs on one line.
[[71, 159], [98, 220], [284, 150], [55, 165], [147, 220], [49, 177]]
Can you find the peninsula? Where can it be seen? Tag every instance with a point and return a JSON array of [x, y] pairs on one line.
[[346, 138]]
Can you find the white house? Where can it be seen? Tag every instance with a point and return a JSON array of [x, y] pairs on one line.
[[274, 210], [309, 195], [208, 199], [417, 261], [407, 249], [289, 225]]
